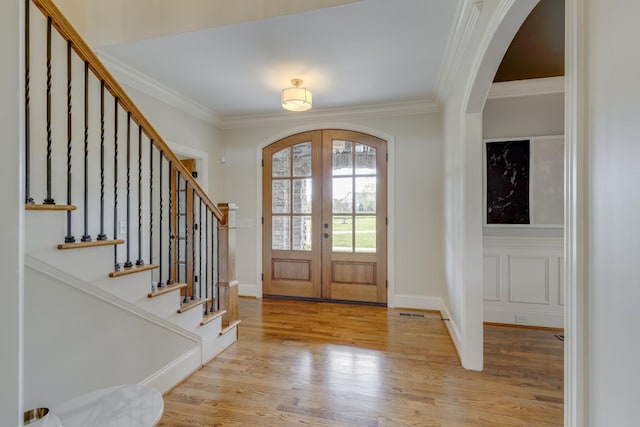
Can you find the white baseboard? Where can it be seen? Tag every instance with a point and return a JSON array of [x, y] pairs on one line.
[[531, 318], [417, 302], [248, 290], [453, 329], [173, 373]]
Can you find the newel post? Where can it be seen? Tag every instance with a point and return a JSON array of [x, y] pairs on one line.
[[228, 285]]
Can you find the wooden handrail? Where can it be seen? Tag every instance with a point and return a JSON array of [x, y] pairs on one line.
[[66, 30]]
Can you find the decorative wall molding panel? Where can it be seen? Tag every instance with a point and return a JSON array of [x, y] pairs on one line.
[[522, 281]]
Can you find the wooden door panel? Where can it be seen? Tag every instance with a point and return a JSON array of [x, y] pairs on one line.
[[295, 271], [345, 257], [354, 249], [290, 269]]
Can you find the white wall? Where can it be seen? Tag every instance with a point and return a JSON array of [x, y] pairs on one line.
[[611, 130], [417, 190], [530, 294], [536, 115], [74, 11], [11, 329], [119, 21], [496, 25], [518, 117], [76, 343]]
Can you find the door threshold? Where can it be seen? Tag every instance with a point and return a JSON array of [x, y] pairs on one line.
[[338, 301]]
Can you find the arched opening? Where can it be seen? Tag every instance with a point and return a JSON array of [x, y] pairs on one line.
[[463, 180], [324, 217]]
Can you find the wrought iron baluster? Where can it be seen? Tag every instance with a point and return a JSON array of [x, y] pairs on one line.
[[86, 237], [128, 263], [171, 219], [150, 201], [139, 261], [115, 183], [206, 258], [194, 278], [102, 235], [27, 109], [213, 250], [69, 237], [177, 235], [199, 251], [49, 200], [218, 264], [186, 239], [160, 283]]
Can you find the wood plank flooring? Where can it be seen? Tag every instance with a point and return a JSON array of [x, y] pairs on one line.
[[323, 364]]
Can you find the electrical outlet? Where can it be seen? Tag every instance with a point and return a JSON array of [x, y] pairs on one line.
[[523, 320], [122, 227]]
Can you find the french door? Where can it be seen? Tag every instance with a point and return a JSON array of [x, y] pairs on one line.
[[324, 216]]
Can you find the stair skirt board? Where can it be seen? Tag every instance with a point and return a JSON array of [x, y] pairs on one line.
[[206, 339], [173, 373], [90, 289]]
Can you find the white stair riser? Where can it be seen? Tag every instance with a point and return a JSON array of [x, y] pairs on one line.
[[210, 330], [211, 348], [131, 287], [189, 320], [43, 230], [164, 306]]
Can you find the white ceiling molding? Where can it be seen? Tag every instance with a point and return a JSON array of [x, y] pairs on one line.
[[530, 87], [135, 79], [466, 18], [427, 106]]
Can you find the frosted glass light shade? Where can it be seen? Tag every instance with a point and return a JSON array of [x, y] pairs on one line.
[[296, 98]]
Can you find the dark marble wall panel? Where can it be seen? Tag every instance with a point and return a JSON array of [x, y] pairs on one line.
[[508, 182]]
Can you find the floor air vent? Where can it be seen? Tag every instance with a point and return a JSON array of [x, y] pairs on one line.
[[411, 314]]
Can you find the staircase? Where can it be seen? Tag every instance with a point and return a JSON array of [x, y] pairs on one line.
[[129, 264]]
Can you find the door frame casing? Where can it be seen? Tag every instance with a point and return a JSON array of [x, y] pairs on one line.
[[201, 158], [390, 195]]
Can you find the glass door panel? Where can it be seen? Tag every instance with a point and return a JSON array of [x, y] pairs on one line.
[[291, 216], [324, 224], [353, 193], [290, 231], [354, 263]]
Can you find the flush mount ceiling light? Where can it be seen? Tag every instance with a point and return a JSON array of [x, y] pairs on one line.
[[296, 98]]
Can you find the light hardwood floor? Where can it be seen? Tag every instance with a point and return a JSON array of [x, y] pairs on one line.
[[323, 364]]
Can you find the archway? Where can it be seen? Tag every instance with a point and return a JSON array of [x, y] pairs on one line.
[[390, 202], [463, 176]]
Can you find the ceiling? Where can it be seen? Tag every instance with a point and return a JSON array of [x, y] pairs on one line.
[[357, 54], [537, 50]]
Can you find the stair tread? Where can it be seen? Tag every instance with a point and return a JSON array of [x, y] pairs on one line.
[[206, 318], [230, 326], [38, 207], [132, 270], [192, 303], [93, 243], [166, 289]]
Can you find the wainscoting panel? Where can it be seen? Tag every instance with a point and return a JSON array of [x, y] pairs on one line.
[[491, 281], [522, 280], [529, 279], [560, 280]]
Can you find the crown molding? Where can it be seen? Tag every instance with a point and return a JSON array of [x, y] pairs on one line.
[[139, 81], [467, 16], [529, 87], [427, 106], [145, 84]]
